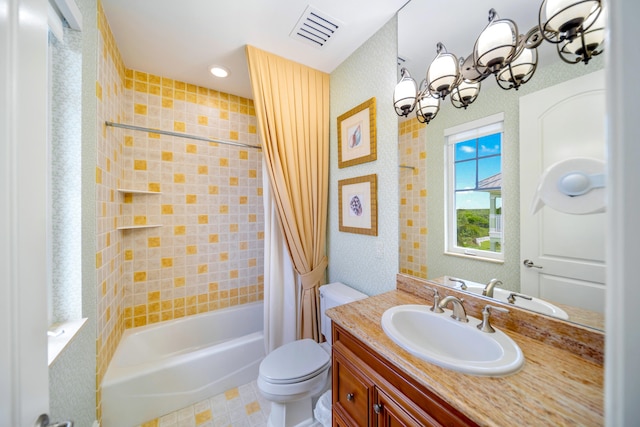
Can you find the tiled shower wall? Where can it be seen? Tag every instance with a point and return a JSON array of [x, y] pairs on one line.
[[196, 205], [412, 177], [207, 253], [109, 241]]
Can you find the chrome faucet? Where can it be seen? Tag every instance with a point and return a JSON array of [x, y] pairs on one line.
[[458, 309], [488, 290], [463, 285]]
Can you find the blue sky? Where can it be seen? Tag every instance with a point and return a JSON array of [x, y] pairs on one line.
[[476, 159]]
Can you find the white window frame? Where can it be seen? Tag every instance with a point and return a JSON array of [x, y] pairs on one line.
[[464, 132]]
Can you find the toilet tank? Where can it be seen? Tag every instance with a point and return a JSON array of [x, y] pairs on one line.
[[333, 295]]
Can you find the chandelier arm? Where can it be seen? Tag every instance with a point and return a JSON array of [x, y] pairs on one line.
[[493, 15], [584, 57], [595, 18], [513, 82], [562, 56], [533, 38], [587, 53], [502, 84]]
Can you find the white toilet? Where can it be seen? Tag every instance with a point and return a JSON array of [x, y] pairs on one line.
[[294, 375]]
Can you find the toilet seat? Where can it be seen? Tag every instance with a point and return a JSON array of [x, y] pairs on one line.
[[295, 362]]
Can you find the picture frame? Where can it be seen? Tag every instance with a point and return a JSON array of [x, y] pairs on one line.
[[358, 205], [357, 135]]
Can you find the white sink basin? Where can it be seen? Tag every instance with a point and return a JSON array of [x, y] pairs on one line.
[[443, 341], [535, 304]]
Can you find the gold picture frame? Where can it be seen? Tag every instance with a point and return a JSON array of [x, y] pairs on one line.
[[357, 135], [358, 205]]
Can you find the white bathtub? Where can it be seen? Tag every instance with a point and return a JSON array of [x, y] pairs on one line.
[[160, 368]]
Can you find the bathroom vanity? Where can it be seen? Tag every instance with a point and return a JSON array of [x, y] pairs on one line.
[[370, 391], [377, 383]]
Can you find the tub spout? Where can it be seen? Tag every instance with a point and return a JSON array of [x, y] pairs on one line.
[[488, 290]]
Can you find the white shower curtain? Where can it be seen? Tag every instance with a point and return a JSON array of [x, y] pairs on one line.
[[280, 286]]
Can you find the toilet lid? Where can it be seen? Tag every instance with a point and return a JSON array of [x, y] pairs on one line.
[[294, 362]]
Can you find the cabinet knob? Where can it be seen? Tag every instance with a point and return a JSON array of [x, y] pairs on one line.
[[350, 397], [377, 408]]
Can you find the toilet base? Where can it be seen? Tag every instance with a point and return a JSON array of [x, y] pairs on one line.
[[298, 413]]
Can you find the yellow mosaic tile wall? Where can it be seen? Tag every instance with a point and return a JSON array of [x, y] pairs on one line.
[[109, 262], [207, 249], [208, 252], [413, 197]]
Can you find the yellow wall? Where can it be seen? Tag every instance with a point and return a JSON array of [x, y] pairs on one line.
[[413, 197], [109, 265], [207, 252]]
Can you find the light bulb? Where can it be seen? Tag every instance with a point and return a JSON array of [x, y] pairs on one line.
[[219, 71]]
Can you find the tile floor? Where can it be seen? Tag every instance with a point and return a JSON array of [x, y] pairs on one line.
[[239, 407]]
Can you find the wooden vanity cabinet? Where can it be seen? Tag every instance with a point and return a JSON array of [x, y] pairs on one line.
[[367, 390]]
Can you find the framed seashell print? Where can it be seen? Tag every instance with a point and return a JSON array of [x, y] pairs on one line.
[[358, 205], [357, 135]]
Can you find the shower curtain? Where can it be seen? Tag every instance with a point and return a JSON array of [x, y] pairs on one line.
[[292, 107], [280, 287]]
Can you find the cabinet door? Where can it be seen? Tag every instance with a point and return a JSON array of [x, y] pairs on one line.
[[352, 393], [337, 421], [390, 413]]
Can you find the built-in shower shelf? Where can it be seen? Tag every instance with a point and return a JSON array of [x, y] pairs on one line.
[[128, 190], [135, 227], [125, 190]]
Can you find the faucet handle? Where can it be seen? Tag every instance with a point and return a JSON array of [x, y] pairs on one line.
[[436, 301], [512, 297], [463, 285], [485, 325]]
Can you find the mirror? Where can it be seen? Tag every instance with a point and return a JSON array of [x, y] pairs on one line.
[[421, 147]]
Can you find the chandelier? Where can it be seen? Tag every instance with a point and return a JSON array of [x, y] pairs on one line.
[[576, 27]]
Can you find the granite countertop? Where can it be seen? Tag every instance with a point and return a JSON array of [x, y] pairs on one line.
[[555, 387]]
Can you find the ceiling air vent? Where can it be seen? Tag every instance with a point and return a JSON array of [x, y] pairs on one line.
[[315, 28]]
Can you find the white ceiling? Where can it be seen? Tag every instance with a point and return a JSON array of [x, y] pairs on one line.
[[182, 39]]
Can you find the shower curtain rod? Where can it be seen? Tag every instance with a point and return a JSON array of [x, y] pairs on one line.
[[180, 135]]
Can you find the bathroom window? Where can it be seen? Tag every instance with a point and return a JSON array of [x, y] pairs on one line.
[[474, 215]]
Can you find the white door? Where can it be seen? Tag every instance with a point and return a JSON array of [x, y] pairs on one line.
[[24, 393], [565, 253]]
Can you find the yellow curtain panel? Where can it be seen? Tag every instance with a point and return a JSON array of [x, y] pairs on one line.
[[292, 106]]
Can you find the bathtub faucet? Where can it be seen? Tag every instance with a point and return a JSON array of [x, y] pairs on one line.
[[488, 290]]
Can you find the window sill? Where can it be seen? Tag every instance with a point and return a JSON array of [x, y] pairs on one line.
[[475, 257], [65, 332]]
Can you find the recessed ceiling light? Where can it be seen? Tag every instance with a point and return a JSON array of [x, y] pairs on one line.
[[219, 71]]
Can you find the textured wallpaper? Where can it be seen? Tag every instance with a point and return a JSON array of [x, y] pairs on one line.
[[66, 190], [367, 263], [72, 377]]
